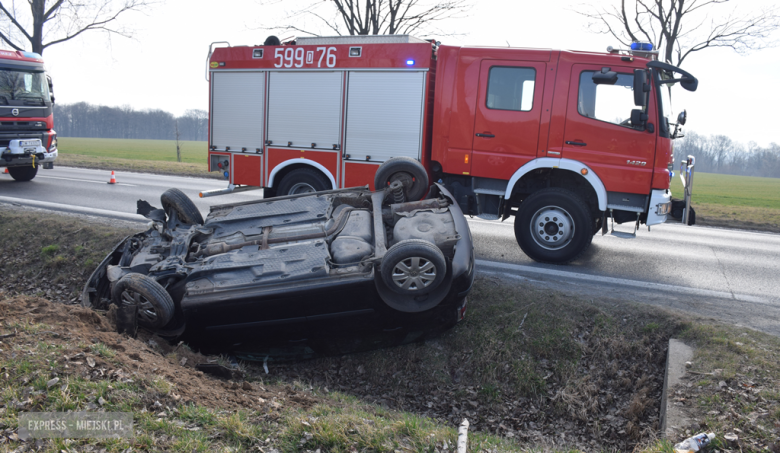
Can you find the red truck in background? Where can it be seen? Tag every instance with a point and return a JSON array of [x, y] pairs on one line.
[[27, 137], [562, 140]]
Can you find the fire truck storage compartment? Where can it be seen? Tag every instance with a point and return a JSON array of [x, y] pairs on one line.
[[237, 106], [384, 114], [305, 108]]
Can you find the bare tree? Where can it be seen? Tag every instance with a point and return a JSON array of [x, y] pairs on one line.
[[678, 28], [49, 22], [374, 17]]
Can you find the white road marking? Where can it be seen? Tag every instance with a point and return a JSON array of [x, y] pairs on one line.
[[76, 209], [509, 269], [88, 180]]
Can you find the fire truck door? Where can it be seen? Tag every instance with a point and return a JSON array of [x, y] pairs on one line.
[[506, 127], [599, 132]]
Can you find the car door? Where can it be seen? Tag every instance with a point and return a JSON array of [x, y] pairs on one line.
[[599, 132], [506, 125]]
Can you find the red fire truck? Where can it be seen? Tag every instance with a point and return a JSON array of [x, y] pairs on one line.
[[562, 140], [27, 138]]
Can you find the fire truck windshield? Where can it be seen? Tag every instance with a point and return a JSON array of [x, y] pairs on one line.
[[20, 88]]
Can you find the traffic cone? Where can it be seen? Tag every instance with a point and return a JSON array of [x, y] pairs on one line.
[[113, 178], [5, 171]]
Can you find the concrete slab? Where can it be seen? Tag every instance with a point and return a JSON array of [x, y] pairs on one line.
[[673, 415]]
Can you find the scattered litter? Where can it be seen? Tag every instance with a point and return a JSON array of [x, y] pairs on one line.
[[91, 362], [101, 401], [52, 383], [522, 322], [463, 436], [265, 364], [694, 443], [731, 438]]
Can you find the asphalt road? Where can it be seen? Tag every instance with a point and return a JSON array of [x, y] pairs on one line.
[[731, 275]]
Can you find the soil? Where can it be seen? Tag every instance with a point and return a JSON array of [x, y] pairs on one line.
[[145, 358]]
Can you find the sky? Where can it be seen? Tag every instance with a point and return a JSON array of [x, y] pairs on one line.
[[163, 66]]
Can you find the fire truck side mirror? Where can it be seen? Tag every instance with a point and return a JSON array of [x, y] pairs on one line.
[[638, 119], [51, 87], [605, 77], [640, 87]]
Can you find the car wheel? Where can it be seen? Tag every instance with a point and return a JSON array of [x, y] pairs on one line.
[[24, 173], [553, 226], [155, 306], [413, 267], [406, 170], [301, 181], [186, 211]]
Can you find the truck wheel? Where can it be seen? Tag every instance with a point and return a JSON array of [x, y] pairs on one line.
[[24, 173], [553, 226], [407, 170], [176, 200], [155, 306], [302, 180], [413, 266]]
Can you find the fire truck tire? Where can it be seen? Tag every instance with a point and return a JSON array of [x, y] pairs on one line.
[[153, 303], [186, 211], [410, 172], [24, 173], [302, 180], [413, 267], [553, 226]]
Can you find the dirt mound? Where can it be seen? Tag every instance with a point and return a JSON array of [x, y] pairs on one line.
[[94, 351]]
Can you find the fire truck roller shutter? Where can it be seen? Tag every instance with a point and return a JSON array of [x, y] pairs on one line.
[[237, 110], [384, 115], [305, 108]]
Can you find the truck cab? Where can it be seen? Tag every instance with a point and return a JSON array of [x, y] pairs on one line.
[[561, 140]]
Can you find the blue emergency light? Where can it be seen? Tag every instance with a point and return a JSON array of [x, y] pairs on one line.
[[409, 62], [642, 46]]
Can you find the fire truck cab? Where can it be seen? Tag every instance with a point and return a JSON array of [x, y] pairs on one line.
[[27, 138], [561, 140]]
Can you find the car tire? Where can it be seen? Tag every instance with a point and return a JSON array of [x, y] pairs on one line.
[[186, 211], [154, 304], [301, 181], [413, 267], [410, 172], [553, 226], [23, 174]]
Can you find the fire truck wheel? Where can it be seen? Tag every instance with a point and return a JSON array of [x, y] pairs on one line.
[[302, 180], [413, 267], [407, 170], [24, 173], [186, 211], [154, 304], [553, 226]]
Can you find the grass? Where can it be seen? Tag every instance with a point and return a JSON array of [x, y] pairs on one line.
[[735, 201], [148, 156]]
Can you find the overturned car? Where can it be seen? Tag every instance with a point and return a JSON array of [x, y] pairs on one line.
[[291, 267]]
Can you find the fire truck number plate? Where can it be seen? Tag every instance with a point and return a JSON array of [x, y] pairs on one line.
[[299, 57]]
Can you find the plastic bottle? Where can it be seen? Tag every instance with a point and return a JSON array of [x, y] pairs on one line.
[[694, 443]]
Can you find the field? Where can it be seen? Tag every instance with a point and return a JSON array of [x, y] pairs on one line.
[[720, 200], [735, 201], [152, 156]]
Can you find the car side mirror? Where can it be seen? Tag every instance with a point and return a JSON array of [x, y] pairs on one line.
[[640, 87], [605, 77]]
